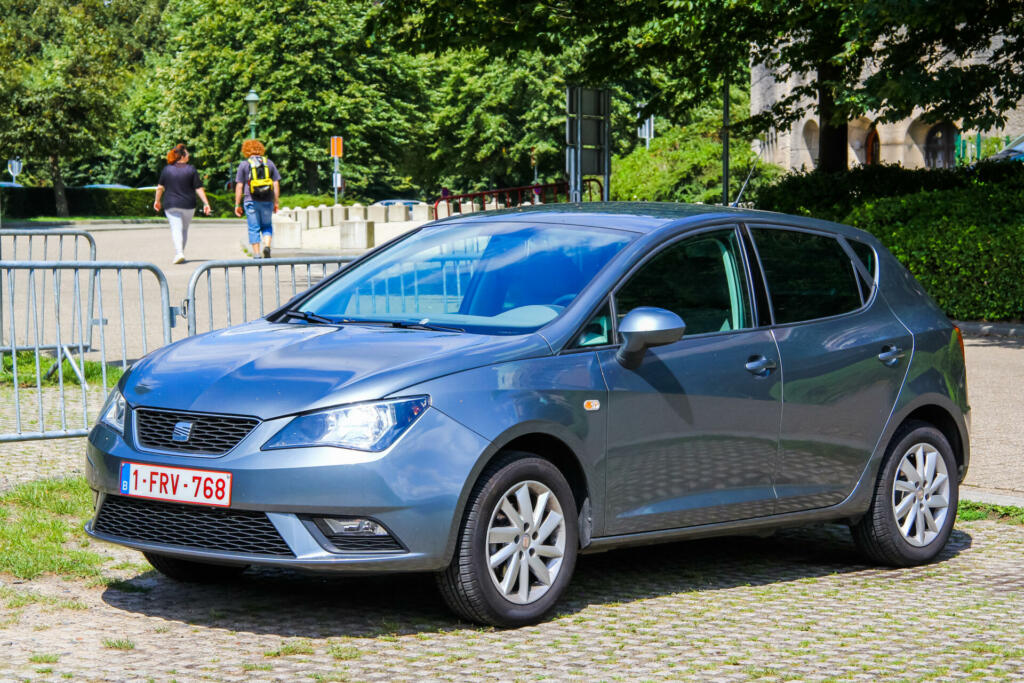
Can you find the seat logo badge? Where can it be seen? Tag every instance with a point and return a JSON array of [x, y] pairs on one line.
[[592, 404], [182, 431]]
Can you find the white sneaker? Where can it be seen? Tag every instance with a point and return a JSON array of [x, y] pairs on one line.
[[180, 258]]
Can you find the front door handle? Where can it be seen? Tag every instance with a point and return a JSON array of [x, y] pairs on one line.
[[891, 355], [760, 366]]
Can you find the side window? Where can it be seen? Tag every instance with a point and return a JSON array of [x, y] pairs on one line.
[[701, 279], [598, 330], [867, 256], [809, 276]]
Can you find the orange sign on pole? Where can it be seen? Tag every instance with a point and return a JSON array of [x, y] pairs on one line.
[[337, 143]]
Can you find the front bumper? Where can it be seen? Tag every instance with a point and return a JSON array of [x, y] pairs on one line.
[[415, 489]]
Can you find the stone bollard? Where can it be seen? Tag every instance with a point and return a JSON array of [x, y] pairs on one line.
[[338, 214], [302, 218], [468, 207], [325, 215], [357, 212], [314, 217], [398, 213], [491, 205], [443, 210], [376, 213], [423, 212]]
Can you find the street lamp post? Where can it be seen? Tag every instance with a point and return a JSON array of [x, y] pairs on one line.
[[251, 101]]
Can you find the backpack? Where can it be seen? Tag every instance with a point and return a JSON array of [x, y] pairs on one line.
[[261, 186]]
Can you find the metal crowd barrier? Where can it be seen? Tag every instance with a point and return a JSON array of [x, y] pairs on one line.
[[64, 328], [262, 279], [44, 244]]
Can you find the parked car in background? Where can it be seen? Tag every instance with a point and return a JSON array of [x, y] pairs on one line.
[[8, 183], [394, 202], [1012, 152], [491, 395], [107, 186]]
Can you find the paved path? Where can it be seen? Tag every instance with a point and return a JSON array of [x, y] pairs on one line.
[[799, 606]]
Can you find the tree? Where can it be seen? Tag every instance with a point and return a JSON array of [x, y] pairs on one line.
[[315, 76], [677, 55], [65, 64]]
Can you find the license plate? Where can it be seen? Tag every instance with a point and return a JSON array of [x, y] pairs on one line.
[[182, 485]]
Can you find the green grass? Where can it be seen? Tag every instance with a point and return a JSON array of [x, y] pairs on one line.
[[968, 511], [44, 659], [300, 647], [118, 644], [41, 529], [93, 371], [344, 652]]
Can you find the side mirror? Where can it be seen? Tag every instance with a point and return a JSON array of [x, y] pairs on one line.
[[645, 327]]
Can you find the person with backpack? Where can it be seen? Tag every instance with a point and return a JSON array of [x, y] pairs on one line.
[[259, 184]]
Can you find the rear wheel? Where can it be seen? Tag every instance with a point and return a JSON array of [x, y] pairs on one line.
[[915, 500], [193, 572], [517, 544]]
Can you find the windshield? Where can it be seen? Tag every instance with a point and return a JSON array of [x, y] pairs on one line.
[[1017, 144], [486, 277]]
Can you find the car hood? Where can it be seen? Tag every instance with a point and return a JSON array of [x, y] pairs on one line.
[[269, 369]]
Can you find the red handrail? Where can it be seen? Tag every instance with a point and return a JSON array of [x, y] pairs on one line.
[[547, 193]]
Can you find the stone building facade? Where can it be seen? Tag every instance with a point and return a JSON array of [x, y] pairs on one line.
[[911, 142]]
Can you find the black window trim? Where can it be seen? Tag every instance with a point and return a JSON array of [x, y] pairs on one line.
[[824, 233]]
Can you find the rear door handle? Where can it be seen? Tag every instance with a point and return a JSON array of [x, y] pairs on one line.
[[760, 366], [891, 355]]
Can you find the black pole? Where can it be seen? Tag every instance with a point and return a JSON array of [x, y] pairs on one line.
[[725, 142]]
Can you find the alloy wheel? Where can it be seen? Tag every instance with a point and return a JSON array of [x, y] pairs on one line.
[[525, 542], [920, 494]]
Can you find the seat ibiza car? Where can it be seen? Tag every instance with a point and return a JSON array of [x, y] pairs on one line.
[[491, 395]]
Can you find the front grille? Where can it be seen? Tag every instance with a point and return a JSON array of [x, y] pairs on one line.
[[209, 434], [190, 526], [363, 543]]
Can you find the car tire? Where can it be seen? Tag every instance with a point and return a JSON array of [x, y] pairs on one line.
[[493, 528], [189, 571], [892, 532]]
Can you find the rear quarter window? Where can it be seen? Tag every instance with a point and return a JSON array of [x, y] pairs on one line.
[[809, 276]]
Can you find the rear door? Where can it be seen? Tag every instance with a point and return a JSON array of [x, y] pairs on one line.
[[845, 357]]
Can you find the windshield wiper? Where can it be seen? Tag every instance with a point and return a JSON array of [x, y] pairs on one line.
[[309, 317], [405, 324]]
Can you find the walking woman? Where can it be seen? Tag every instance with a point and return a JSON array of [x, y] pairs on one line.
[[179, 181]]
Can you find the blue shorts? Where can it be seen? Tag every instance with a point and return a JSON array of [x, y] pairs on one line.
[[260, 217]]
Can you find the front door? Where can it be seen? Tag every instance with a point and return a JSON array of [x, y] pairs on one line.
[[692, 432]]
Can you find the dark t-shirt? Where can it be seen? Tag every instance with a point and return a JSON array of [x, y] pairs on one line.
[[180, 183], [244, 171]]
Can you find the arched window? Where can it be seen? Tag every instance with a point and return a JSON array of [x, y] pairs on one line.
[[939, 146], [872, 148]]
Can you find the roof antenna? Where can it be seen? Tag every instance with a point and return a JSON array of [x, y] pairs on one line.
[[753, 165]]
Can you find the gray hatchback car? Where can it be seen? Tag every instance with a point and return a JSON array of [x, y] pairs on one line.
[[491, 395]]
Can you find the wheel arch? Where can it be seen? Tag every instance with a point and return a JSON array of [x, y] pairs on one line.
[[941, 419], [551, 442]]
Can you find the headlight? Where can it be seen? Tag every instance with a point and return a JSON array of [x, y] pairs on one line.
[[113, 412], [361, 426]]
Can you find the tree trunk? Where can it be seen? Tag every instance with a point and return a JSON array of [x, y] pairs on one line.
[[60, 198], [312, 177], [832, 137]]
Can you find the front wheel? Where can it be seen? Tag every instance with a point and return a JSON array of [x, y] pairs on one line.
[[914, 504], [517, 544]]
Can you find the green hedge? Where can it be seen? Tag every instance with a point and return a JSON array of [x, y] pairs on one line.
[[833, 196], [29, 202], [964, 246]]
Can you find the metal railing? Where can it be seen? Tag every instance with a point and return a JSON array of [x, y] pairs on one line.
[[509, 197], [263, 279], [64, 329], [43, 244]]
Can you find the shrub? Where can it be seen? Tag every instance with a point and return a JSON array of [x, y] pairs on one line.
[[833, 196], [29, 202], [963, 245]]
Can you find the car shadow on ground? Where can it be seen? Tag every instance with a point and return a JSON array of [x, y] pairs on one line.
[[291, 604]]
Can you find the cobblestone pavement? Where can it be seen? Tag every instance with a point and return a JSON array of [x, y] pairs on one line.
[[799, 605]]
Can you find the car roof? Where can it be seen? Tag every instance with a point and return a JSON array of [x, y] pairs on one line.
[[648, 217]]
